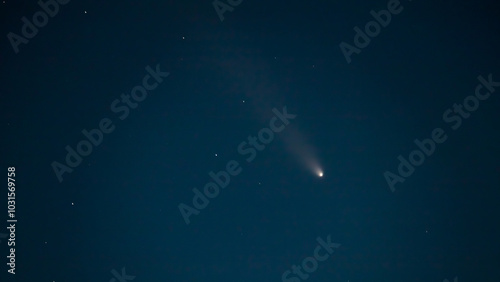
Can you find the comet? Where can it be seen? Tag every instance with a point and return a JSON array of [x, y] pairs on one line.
[[255, 81], [300, 147]]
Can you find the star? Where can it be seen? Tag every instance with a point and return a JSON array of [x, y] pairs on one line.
[[72, 204]]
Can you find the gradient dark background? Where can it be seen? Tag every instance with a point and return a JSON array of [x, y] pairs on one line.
[[441, 223]]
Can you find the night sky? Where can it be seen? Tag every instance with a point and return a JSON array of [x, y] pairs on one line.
[[239, 141]]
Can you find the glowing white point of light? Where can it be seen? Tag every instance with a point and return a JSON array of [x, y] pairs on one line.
[[320, 174]]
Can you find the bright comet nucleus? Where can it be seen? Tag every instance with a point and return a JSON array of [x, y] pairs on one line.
[[320, 174]]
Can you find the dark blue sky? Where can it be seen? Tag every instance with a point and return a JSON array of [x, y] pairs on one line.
[[395, 210]]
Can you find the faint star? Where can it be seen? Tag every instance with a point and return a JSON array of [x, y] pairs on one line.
[[216, 155], [183, 37], [72, 204]]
